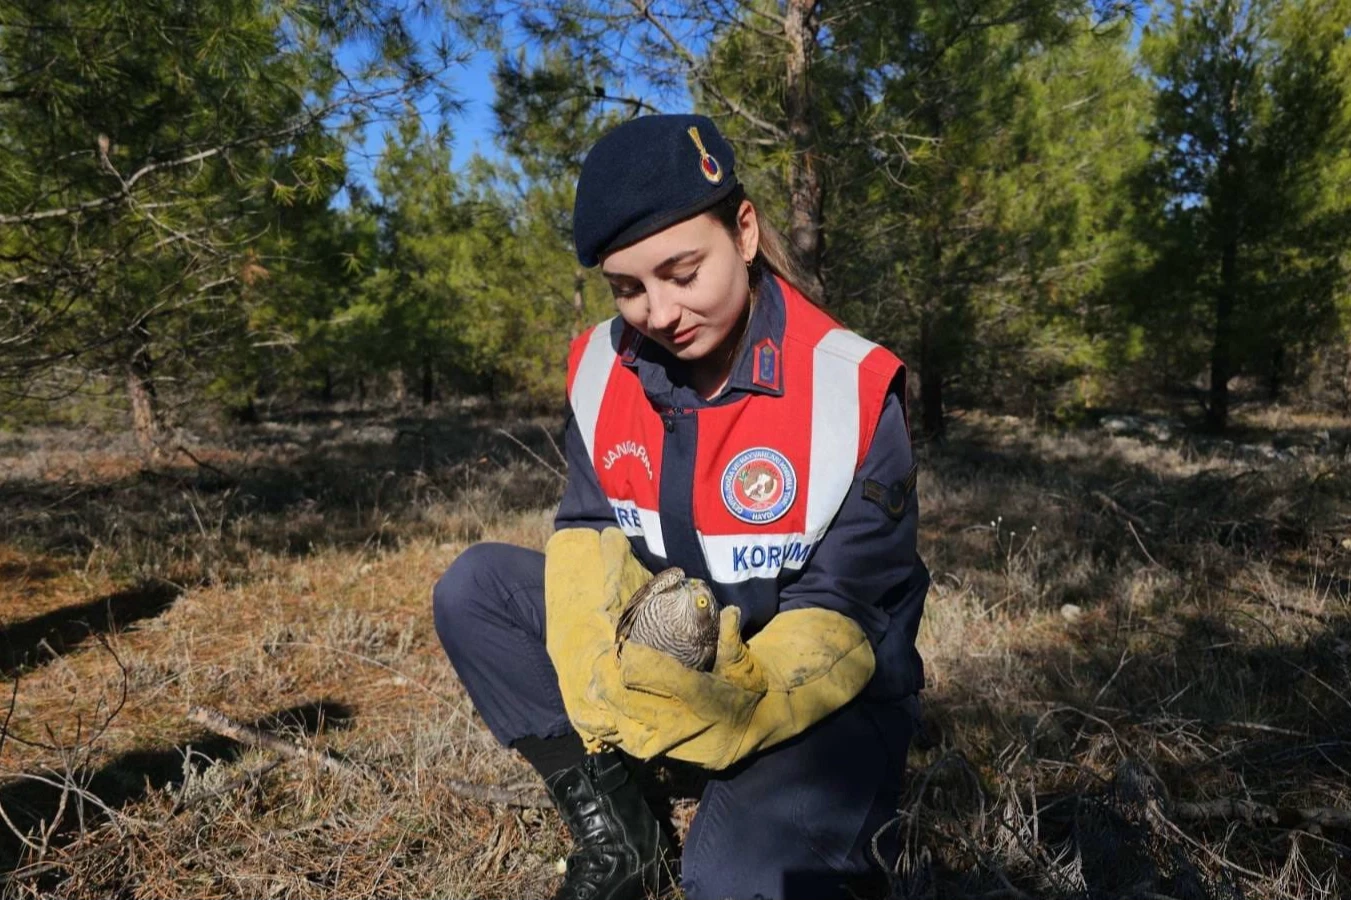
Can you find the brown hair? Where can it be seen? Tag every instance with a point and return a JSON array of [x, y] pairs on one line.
[[774, 253]]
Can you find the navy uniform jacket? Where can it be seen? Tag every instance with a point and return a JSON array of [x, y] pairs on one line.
[[866, 566]]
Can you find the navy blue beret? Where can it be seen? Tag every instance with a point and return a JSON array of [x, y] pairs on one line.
[[647, 174]]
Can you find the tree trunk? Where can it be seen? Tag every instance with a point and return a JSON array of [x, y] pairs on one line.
[[1276, 374], [428, 381], [247, 413], [145, 415], [1221, 352], [932, 343], [930, 380], [1346, 380], [1228, 215], [326, 393], [805, 188], [578, 300]]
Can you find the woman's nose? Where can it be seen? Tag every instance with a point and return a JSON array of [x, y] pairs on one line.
[[662, 312]]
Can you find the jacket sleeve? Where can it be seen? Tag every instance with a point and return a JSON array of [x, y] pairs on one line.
[[584, 505], [867, 565]]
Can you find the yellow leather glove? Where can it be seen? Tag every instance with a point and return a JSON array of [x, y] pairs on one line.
[[801, 667], [588, 577]]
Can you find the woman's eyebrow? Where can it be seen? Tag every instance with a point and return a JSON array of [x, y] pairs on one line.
[[664, 264]]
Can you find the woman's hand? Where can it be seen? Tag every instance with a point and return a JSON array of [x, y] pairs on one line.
[[588, 577], [801, 667]]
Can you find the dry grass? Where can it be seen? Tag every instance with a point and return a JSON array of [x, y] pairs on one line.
[[1096, 600]]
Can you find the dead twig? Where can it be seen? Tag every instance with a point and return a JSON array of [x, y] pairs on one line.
[[1109, 503], [528, 798], [1263, 727], [249, 778], [201, 464], [221, 724], [9, 713], [1202, 847], [1264, 814], [562, 458], [1143, 549], [538, 459]]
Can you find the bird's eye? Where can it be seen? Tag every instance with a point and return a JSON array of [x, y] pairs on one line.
[[701, 601]]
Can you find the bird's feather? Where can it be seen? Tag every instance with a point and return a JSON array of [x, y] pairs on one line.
[[662, 581]]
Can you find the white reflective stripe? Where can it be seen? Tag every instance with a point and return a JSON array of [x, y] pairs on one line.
[[834, 423], [738, 558], [588, 385], [651, 520], [639, 522]]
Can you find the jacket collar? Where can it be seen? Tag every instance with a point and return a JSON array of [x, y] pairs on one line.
[[758, 368]]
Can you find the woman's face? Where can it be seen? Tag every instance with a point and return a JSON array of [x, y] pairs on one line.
[[685, 287]]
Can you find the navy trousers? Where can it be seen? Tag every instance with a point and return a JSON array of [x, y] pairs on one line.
[[796, 820]]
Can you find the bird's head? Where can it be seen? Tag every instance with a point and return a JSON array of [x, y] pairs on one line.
[[699, 598]]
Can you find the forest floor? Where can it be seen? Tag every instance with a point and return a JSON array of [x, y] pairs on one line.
[[1138, 643]]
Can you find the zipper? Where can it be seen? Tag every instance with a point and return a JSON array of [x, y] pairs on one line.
[[669, 419]]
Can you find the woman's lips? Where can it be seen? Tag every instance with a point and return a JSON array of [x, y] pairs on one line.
[[686, 336]]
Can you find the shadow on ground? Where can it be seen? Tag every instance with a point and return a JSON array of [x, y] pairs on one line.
[[1186, 612], [40, 639], [1171, 607], [41, 800], [292, 487]]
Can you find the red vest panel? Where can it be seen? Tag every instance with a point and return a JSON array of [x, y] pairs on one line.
[[771, 471]]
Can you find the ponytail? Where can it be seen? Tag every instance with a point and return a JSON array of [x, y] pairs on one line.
[[774, 253]]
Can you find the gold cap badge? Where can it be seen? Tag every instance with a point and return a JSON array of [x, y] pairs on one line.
[[707, 164]]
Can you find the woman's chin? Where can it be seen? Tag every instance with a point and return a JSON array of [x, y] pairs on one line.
[[691, 353], [703, 345]]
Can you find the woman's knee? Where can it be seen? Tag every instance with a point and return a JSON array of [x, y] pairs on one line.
[[459, 596], [488, 588]]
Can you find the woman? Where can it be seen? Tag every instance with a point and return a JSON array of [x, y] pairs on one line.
[[723, 424]]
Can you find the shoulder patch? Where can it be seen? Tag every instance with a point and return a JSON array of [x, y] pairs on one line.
[[892, 498], [765, 365]]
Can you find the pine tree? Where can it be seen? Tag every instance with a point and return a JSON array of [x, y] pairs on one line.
[[1245, 222], [147, 148], [983, 148]]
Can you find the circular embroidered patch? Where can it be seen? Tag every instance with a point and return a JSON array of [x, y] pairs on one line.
[[759, 485]]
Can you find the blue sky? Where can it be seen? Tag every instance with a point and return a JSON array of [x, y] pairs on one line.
[[472, 129]]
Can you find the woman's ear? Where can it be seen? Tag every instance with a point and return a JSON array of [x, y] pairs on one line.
[[748, 231]]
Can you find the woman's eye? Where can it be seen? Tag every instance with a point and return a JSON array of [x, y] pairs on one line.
[[685, 281], [625, 292]]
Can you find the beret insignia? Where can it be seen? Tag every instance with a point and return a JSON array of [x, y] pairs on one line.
[[643, 176], [707, 164]]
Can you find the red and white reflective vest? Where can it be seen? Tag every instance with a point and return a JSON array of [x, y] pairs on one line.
[[769, 471]]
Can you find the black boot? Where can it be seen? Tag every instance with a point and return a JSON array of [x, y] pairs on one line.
[[621, 850]]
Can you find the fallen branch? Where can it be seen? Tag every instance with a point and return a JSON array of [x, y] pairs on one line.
[[1263, 727], [221, 724], [528, 798], [249, 778], [1110, 503], [201, 464], [1266, 814]]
